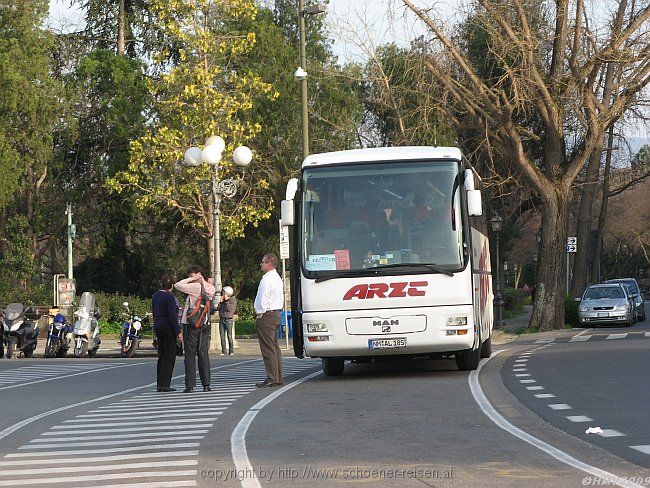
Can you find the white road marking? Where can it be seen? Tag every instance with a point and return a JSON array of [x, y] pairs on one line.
[[647, 334], [122, 436], [118, 442], [182, 445], [54, 378], [184, 420], [558, 454], [534, 387], [610, 433], [580, 338], [100, 477], [545, 395], [527, 381], [579, 418], [616, 336], [154, 484], [238, 436], [151, 415], [83, 429], [544, 341], [99, 459], [522, 375], [560, 406], [515, 369], [98, 467], [644, 449]]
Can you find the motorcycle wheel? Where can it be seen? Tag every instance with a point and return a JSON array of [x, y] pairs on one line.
[[28, 353], [60, 352], [81, 351], [11, 346], [92, 354], [51, 349], [128, 350]]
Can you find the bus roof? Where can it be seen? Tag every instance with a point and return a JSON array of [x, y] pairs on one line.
[[382, 154]]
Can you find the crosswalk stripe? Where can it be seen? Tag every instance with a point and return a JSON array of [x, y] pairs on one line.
[[118, 442], [104, 451], [610, 433], [165, 415], [644, 449], [579, 418], [100, 459], [109, 437], [141, 424], [154, 484], [580, 338], [161, 413], [98, 467], [83, 479], [72, 429], [616, 336]]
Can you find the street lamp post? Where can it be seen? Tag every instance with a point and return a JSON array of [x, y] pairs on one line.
[[497, 223], [301, 73], [211, 155]]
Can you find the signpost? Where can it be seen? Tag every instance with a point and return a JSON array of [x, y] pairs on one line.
[[571, 247], [284, 255]]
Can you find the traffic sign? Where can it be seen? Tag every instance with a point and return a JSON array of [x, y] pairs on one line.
[[284, 240], [571, 248], [571, 241]]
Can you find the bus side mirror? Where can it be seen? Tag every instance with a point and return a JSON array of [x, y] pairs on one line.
[[474, 203], [286, 212]]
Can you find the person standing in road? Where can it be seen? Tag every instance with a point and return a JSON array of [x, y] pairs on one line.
[[167, 330], [197, 339], [268, 307], [226, 308]]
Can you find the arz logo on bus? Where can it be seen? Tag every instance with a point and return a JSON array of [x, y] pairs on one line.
[[387, 290]]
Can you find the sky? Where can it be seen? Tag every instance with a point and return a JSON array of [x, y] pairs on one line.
[[351, 24]]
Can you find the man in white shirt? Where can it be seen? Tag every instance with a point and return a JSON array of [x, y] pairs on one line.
[[268, 307]]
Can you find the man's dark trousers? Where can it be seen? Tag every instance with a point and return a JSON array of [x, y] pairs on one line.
[[166, 356], [267, 332], [197, 342]]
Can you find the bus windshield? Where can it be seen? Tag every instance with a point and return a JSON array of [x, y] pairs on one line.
[[363, 216]]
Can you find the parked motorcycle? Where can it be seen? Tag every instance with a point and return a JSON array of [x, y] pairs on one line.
[[86, 328], [58, 337], [20, 329], [131, 332]]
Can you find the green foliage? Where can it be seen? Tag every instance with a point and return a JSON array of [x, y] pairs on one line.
[[245, 309], [111, 306], [513, 300], [571, 311], [245, 327]]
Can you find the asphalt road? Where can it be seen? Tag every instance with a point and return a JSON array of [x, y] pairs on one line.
[[411, 423]]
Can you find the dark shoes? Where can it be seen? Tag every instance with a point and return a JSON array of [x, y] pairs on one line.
[[267, 382], [188, 390], [165, 389], [207, 388]]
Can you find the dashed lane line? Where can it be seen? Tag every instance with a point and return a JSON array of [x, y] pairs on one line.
[[487, 408]]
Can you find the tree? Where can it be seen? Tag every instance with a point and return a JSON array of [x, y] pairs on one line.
[[563, 87], [198, 91], [29, 107]]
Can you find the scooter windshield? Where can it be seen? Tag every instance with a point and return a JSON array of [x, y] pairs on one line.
[[13, 311], [85, 312]]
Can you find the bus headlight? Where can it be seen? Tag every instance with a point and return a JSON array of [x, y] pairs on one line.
[[316, 328], [455, 321]]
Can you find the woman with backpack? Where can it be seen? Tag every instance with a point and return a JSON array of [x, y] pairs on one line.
[[196, 325]]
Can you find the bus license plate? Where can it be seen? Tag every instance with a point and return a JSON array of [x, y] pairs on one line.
[[386, 343]]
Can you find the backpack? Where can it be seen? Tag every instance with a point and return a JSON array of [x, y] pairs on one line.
[[197, 316]]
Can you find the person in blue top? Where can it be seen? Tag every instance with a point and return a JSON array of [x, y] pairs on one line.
[[167, 330]]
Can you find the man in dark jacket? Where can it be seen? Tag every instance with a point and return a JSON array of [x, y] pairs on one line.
[[227, 306], [167, 330]]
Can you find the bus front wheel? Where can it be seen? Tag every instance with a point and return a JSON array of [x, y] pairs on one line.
[[468, 359], [333, 366]]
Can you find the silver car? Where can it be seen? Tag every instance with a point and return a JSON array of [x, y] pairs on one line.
[[606, 304], [633, 287]]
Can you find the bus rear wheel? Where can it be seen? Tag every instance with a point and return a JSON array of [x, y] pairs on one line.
[[333, 366]]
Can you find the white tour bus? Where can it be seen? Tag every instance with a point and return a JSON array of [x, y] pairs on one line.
[[389, 257]]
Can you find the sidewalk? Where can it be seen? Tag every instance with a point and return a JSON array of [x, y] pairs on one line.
[[516, 323]]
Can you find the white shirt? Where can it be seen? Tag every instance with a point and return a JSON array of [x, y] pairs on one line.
[[270, 293]]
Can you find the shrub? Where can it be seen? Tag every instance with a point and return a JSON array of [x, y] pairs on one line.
[[245, 310], [513, 300], [112, 308], [571, 311]]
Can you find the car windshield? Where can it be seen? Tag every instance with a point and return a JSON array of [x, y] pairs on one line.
[[630, 285], [377, 215], [604, 292]]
